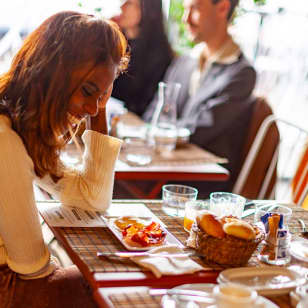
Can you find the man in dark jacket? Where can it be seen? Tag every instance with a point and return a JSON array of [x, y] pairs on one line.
[[217, 81]]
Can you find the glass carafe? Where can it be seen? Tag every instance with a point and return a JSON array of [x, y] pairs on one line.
[[164, 129]]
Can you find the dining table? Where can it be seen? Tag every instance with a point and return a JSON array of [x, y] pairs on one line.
[[187, 162], [119, 282]]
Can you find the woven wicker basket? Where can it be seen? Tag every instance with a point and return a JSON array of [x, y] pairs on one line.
[[229, 251]]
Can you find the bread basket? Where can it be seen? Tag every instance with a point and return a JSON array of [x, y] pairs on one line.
[[229, 251]]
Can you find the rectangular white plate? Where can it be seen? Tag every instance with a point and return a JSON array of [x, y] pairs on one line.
[[169, 240]]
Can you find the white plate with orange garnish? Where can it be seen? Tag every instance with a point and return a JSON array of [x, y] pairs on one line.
[[141, 233]]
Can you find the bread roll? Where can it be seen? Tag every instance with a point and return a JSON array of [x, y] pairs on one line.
[[227, 219], [240, 229], [210, 224]]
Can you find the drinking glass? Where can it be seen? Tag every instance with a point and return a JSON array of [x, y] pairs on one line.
[[164, 118], [191, 211], [277, 252], [263, 208], [124, 130], [138, 151], [225, 204], [175, 198]]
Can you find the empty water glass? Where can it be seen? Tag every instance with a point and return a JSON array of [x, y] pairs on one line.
[[225, 204], [175, 198], [137, 151]]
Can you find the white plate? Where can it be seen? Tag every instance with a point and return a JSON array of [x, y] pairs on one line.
[[265, 280], [169, 240], [208, 287], [299, 250]]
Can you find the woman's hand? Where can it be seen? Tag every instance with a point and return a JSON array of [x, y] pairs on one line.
[[99, 123]]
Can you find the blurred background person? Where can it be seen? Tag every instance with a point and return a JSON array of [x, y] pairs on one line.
[[215, 100], [142, 22]]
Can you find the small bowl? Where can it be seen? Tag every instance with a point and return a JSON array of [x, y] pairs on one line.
[[183, 136]]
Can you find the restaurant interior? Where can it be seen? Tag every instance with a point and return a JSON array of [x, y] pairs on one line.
[[191, 222]]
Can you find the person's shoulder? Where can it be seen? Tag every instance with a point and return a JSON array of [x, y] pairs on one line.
[[244, 61], [6, 132], [247, 68], [10, 142], [241, 67]]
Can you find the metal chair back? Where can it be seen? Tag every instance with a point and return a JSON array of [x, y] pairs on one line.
[[286, 142]]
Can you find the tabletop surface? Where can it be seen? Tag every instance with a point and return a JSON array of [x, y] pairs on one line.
[[82, 245], [185, 160], [85, 242], [188, 158]]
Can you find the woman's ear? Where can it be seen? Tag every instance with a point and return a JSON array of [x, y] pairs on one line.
[[223, 8]]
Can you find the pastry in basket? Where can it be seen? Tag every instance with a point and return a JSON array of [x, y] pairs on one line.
[[228, 241]]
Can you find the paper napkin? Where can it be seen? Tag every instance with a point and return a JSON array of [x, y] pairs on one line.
[[168, 265]]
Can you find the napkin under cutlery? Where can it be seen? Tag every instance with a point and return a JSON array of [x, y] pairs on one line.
[[167, 265]]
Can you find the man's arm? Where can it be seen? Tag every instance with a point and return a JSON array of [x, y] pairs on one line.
[[214, 116]]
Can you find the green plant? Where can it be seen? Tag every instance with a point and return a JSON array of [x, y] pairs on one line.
[[259, 2], [177, 27], [175, 24]]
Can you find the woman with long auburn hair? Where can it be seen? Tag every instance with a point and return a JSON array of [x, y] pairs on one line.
[[63, 73]]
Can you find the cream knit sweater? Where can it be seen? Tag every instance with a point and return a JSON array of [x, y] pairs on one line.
[[22, 246]]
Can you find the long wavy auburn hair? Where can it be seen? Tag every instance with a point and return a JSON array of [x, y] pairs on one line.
[[36, 90]]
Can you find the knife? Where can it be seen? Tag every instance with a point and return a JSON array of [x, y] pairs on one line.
[[124, 254], [160, 292]]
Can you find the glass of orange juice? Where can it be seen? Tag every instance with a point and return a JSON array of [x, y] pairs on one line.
[[191, 211]]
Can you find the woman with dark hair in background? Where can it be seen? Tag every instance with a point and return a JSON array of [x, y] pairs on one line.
[[142, 22], [63, 73]]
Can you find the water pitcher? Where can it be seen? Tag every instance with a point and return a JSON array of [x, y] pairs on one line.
[[164, 118]]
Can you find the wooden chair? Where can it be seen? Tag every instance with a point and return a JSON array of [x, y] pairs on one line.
[[249, 182]]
